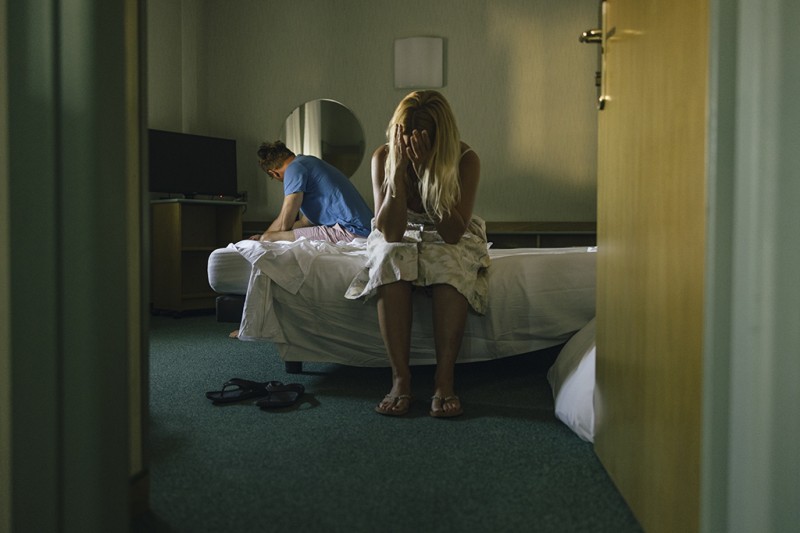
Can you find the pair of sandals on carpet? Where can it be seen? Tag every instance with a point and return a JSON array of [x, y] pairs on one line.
[[269, 394], [441, 406]]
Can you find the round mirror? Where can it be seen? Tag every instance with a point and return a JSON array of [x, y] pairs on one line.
[[328, 130]]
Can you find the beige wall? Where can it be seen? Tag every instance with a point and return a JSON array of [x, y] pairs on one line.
[[519, 81]]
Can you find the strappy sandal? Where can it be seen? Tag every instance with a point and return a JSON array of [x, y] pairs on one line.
[[441, 413], [388, 409], [283, 396], [239, 390]]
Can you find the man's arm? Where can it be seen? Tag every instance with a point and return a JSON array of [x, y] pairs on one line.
[[302, 222], [287, 218], [288, 215]]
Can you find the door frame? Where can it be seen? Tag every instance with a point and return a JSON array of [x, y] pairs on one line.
[[71, 235]]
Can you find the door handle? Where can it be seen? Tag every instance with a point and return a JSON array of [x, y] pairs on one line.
[[599, 36], [591, 36]]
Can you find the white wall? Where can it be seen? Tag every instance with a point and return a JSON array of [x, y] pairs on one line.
[[519, 82]]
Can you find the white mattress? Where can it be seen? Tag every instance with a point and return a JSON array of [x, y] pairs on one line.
[[228, 271], [538, 298]]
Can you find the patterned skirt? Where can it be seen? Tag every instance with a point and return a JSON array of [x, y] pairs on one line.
[[424, 259]]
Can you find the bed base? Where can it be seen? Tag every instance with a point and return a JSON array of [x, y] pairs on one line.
[[230, 308]]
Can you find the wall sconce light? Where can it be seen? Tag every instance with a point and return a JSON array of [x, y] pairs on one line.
[[418, 62]]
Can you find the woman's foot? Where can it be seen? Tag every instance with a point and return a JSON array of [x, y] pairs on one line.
[[446, 406], [394, 405]]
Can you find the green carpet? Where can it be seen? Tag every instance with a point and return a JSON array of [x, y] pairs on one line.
[[330, 464]]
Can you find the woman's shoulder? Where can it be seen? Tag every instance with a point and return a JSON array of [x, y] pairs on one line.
[[468, 154]]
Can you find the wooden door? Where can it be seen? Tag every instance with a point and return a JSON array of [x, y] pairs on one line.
[[651, 254]]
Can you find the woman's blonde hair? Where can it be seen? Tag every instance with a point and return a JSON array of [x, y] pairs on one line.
[[440, 189]]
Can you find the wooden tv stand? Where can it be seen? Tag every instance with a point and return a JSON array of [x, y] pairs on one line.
[[183, 235]]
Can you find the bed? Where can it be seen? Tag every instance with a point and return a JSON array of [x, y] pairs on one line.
[[293, 297], [291, 294]]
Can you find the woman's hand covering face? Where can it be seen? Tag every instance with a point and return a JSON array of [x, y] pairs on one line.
[[418, 150], [414, 148]]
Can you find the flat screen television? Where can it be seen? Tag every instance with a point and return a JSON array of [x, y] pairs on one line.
[[191, 165]]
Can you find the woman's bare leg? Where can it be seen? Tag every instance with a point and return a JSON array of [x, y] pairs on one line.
[[394, 318], [449, 318]]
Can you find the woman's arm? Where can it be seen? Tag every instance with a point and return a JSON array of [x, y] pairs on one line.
[[453, 226], [391, 216]]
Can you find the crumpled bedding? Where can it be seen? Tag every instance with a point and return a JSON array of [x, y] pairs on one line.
[[288, 263], [285, 264], [538, 298]]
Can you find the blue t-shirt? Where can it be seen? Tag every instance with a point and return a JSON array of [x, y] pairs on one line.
[[328, 196]]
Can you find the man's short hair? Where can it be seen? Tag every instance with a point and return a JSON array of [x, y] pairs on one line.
[[272, 155]]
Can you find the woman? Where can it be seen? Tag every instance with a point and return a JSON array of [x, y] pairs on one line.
[[424, 182]]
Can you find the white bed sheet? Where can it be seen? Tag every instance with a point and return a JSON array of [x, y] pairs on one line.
[[538, 298]]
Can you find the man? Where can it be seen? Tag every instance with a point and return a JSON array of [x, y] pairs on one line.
[[330, 207]]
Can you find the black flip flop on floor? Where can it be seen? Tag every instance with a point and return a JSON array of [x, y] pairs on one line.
[[239, 390], [283, 396]]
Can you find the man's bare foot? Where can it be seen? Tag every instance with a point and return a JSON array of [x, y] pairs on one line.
[[234, 334]]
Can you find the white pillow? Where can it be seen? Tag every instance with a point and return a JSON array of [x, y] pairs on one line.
[[572, 380]]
